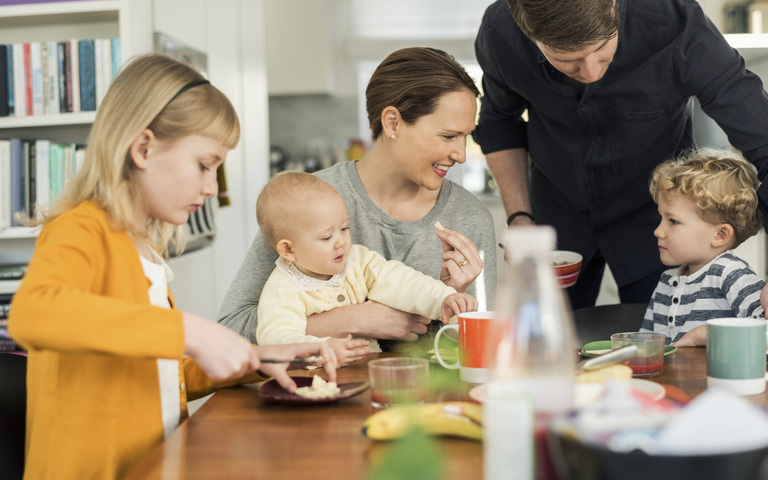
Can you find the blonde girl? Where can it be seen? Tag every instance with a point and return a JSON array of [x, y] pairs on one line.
[[112, 363]]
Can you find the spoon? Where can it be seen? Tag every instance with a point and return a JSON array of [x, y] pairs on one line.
[[614, 356]]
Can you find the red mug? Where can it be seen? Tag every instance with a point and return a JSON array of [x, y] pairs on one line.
[[474, 329]]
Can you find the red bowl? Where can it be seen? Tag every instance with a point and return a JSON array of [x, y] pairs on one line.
[[567, 266]]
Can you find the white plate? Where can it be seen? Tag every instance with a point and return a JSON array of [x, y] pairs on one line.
[[586, 393]]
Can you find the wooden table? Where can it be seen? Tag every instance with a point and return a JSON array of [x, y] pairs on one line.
[[236, 434]]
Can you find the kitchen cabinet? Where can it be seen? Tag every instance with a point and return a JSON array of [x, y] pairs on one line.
[[299, 47]]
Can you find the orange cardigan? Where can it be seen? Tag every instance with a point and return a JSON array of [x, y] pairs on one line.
[[83, 314]]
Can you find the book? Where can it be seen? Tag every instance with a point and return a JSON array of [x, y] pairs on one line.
[[116, 57], [19, 90], [36, 70], [43, 176], [9, 287], [27, 52], [52, 72], [106, 65], [60, 55], [68, 75], [9, 76], [57, 171], [5, 183], [8, 345], [29, 178], [74, 60], [87, 75], [18, 181], [3, 82], [14, 271]]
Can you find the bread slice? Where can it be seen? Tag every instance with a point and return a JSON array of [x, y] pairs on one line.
[[618, 372]]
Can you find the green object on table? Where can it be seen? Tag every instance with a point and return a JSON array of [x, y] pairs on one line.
[[606, 345], [416, 455]]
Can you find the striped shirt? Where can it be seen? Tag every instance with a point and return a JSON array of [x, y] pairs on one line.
[[725, 287]]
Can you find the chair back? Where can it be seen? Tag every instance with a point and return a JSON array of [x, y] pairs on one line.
[[599, 322], [13, 414]]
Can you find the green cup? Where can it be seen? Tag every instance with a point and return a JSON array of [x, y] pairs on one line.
[[736, 354]]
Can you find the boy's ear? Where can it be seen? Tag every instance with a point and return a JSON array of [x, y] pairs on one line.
[[723, 236], [285, 249], [140, 148]]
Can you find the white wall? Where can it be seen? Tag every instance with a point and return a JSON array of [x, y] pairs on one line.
[[231, 33]]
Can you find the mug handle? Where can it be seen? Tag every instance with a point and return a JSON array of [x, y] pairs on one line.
[[450, 366]]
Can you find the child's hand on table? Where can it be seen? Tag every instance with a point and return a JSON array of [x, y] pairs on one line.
[[457, 303], [348, 350], [697, 337]]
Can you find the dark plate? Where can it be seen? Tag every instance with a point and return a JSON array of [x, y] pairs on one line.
[[606, 345], [272, 390]]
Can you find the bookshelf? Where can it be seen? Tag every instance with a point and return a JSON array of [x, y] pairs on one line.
[[58, 22]]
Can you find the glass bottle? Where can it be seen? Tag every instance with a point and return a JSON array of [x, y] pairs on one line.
[[531, 359]]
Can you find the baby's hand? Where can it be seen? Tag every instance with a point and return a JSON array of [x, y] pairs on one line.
[[697, 337], [457, 303], [348, 350]]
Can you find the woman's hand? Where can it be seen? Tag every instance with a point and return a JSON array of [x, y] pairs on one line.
[[369, 319], [387, 323], [279, 370], [461, 260]]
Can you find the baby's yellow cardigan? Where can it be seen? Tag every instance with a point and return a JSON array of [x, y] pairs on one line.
[[83, 314]]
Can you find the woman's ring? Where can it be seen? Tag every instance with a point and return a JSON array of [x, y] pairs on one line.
[[462, 262]]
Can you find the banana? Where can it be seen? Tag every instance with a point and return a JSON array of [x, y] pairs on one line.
[[458, 419]]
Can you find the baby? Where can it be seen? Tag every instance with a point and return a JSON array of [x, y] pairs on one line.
[[304, 218], [708, 206]]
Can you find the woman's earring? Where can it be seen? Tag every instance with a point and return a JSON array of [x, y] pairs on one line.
[[392, 136]]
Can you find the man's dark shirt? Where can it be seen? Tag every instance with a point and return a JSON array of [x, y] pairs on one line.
[[593, 150]]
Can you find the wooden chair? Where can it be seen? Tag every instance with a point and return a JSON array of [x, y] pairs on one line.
[[599, 322], [13, 413]]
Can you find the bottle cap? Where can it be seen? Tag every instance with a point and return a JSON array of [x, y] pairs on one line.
[[530, 239]]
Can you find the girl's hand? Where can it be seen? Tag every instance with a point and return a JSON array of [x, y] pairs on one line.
[[456, 304], [279, 370], [219, 351], [461, 260], [348, 350]]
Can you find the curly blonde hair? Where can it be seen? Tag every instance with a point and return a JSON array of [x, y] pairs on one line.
[[723, 186]]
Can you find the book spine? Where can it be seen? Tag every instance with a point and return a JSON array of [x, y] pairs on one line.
[[17, 179], [19, 91], [43, 178], [5, 183], [28, 79], [9, 75], [29, 181], [68, 75], [4, 112], [8, 345], [56, 171], [75, 69], [53, 78], [36, 70], [61, 54], [45, 77], [116, 57], [11, 274], [87, 75]]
